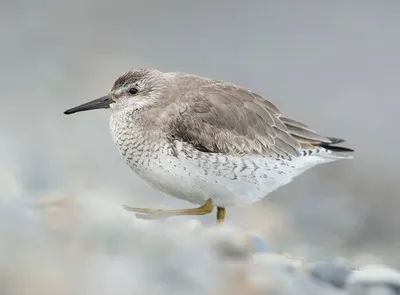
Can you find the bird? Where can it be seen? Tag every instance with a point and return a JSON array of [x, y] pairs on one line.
[[209, 142]]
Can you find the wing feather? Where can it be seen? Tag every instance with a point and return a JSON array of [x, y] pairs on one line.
[[224, 118]]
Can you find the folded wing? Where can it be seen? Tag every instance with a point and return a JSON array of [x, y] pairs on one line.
[[224, 118]]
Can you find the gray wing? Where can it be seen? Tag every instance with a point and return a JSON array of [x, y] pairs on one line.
[[227, 119]]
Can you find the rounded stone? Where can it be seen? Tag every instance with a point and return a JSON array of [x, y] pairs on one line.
[[333, 272], [257, 243], [229, 242], [373, 276]]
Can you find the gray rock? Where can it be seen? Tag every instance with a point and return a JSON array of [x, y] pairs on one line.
[[272, 273], [333, 272], [229, 242], [257, 243]]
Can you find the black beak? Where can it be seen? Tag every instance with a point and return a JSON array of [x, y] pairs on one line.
[[100, 103]]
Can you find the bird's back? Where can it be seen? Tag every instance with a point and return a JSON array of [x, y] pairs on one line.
[[225, 118]]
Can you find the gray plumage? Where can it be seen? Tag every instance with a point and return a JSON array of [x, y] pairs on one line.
[[196, 138]]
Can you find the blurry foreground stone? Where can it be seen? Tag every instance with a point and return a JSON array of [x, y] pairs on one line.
[[334, 272], [57, 246], [374, 279]]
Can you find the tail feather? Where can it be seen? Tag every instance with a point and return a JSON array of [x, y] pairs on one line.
[[335, 140], [332, 147], [309, 139], [339, 149]]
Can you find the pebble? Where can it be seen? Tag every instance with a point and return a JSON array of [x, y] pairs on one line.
[[229, 242], [374, 277], [257, 243], [333, 272]]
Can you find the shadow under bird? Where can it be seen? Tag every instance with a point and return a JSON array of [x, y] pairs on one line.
[[209, 142]]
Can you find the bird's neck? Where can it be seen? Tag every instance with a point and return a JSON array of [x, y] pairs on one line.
[[131, 127]]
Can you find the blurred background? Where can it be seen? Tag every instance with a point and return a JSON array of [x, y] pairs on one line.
[[334, 65]]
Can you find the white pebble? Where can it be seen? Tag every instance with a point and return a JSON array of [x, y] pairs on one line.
[[371, 276]]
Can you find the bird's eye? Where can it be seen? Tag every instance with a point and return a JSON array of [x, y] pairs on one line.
[[133, 90]]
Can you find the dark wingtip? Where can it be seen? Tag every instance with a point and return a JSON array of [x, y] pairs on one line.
[[338, 148], [330, 146]]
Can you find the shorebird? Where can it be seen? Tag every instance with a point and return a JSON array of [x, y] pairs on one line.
[[209, 142]]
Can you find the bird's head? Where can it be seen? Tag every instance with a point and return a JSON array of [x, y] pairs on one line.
[[134, 90]]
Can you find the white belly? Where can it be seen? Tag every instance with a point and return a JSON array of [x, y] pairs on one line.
[[227, 180]]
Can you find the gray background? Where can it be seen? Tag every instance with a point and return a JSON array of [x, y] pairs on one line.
[[331, 64]]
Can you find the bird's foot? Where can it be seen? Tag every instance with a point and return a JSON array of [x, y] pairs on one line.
[[162, 214]]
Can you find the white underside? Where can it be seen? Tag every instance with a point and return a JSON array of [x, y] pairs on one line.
[[226, 186]]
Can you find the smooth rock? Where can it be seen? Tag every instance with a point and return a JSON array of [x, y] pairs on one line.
[[333, 272], [371, 277], [257, 243], [228, 242]]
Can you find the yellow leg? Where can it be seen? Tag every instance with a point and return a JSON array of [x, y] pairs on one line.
[[206, 208], [221, 211]]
